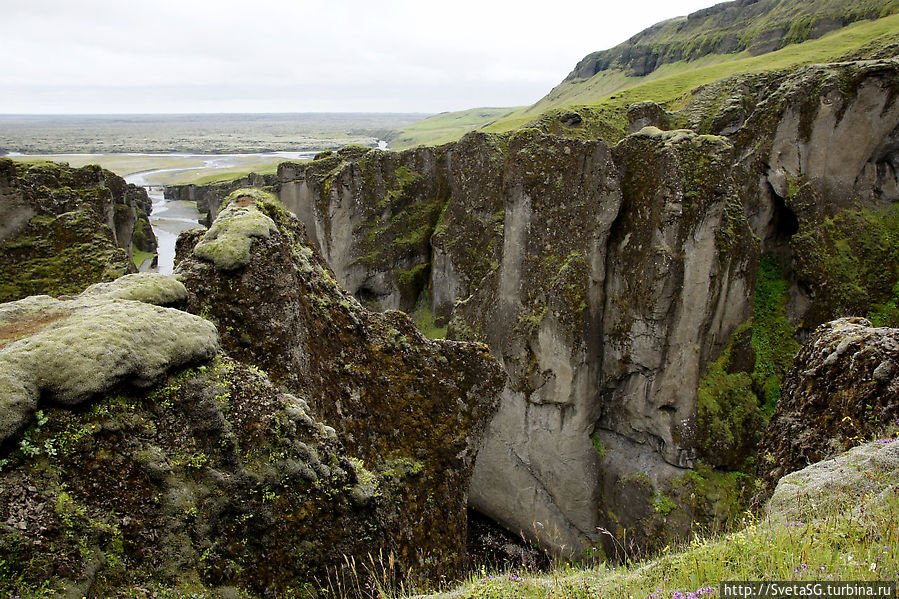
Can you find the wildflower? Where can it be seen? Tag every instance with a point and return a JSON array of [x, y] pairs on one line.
[[804, 566], [845, 418], [887, 440]]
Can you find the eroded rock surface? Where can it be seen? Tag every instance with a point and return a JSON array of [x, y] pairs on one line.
[[410, 408], [842, 388]]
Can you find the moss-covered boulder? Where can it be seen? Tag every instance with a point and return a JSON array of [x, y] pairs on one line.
[[412, 409], [842, 389], [860, 479], [70, 350], [65, 228]]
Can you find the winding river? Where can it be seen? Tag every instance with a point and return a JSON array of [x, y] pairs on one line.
[[170, 217]]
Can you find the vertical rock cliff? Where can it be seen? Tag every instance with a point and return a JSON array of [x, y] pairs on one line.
[[64, 229], [642, 298]]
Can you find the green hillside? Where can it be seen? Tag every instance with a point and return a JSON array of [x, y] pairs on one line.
[[446, 126], [683, 54]]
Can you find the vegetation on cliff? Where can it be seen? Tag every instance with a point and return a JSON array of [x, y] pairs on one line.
[[685, 60], [67, 228]]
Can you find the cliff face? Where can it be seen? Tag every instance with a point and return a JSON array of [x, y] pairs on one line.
[[64, 229], [409, 408], [643, 298], [138, 452]]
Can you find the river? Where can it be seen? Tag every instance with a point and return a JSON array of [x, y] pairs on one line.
[[170, 217]]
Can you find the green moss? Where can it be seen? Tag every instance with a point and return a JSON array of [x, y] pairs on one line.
[[140, 257], [60, 255], [601, 451], [851, 261], [228, 242], [423, 318], [728, 415], [772, 333], [887, 314]]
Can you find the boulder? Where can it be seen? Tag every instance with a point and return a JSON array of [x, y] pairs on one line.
[[72, 349], [850, 483], [842, 389]]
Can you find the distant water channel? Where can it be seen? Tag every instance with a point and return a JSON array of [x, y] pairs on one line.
[[170, 217]]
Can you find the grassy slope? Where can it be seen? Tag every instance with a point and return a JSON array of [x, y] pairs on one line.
[[613, 90], [446, 126]]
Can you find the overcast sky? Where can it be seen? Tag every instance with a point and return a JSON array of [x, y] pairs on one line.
[[169, 56]]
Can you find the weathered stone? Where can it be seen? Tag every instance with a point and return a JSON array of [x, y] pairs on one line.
[[539, 313], [74, 349], [848, 483], [64, 229], [210, 480], [836, 393], [647, 114], [413, 410]]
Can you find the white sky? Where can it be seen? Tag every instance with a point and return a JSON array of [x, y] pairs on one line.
[[169, 56]]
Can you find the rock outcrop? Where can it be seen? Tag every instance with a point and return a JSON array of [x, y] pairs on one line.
[[642, 297], [64, 229], [215, 478], [851, 484], [209, 198], [70, 350], [842, 388], [411, 409]]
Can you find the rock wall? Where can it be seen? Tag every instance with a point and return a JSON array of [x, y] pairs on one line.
[[411, 409], [642, 298], [64, 229], [136, 455]]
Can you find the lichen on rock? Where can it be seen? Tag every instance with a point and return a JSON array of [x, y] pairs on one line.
[[69, 350], [842, 388], [227, 243], [838, 484], [150, 288], [413, 410]]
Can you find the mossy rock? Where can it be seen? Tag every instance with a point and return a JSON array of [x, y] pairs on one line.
[[71, 350]]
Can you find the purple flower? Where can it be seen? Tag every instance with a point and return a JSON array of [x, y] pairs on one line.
[[887, 440]]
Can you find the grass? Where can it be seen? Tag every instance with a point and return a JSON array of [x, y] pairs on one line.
[[669, 85], [848, 538], [859, 544], [196, 133], [446, 127], [140, 257], [206, 176], [423, 318]]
